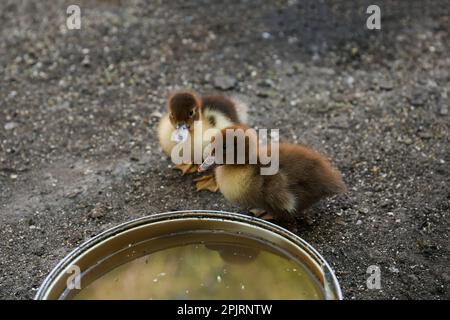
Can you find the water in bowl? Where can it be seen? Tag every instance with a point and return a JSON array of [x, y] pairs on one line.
[[199, 267]]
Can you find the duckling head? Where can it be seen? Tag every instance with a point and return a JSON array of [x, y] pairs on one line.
[[234, 145], [184, 109]]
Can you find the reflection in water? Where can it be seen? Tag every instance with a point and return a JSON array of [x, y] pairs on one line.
[[234, 254], [206, 271]]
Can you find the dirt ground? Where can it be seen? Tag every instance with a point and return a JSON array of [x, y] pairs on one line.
[[79, 109]]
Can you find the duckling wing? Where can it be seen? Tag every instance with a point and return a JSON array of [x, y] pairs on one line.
[[165, 130], [311, 175], [222, 112]]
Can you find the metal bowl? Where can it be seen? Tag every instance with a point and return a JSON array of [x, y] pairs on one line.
[[123, 243]]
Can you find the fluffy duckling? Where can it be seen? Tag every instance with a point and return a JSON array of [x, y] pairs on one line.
[[304, 176], [187, 107]]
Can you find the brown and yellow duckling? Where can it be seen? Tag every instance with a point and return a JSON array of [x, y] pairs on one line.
[[304, 176], [185, 108]]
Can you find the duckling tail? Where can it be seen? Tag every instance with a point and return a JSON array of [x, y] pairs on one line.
[[241, 109], [335, 184]]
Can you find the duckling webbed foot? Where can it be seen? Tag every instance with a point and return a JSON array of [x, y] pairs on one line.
[[206, 183], [186, 168], [262, 214]]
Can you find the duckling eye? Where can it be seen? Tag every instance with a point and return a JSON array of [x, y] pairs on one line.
[[191, 113]]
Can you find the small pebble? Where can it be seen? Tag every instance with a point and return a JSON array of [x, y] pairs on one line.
[[86, 61], [443, 110], [266, 35], [224, 82], [11, 125]]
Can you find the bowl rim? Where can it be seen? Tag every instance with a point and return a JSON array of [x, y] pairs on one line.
[[329, 274]]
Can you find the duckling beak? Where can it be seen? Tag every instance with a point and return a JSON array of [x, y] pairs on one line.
[[181, 133], [209, 161]]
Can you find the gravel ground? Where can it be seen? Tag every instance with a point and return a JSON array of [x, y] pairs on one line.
[[79, 108]]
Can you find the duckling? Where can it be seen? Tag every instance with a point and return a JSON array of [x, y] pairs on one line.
[[304, 176], [184, 109]]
